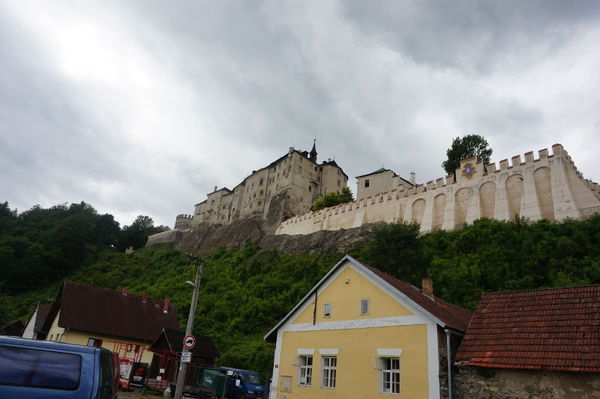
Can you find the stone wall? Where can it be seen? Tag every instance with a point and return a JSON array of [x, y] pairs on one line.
[[483, 383], [183, 222], [548, 187]]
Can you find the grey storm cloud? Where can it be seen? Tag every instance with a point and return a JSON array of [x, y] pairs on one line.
[[141, 107]]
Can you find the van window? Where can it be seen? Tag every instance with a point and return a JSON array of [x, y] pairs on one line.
[[39, 369], [252, 379]]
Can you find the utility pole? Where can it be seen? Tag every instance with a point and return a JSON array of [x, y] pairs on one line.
[[188, 330]]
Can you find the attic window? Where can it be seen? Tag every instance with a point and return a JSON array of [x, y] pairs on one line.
[[364, 307], [327, 310], [367, 182]]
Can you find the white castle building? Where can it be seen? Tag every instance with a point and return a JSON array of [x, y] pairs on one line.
[[547, 187]]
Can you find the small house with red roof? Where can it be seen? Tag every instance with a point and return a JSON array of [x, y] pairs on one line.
[[539, 343], [123, 323], [360, 333]]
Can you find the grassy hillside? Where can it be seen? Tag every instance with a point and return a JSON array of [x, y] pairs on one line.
[[245, 293]]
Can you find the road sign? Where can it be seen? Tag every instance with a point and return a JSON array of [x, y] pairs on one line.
[[186, 357], [189, 341]]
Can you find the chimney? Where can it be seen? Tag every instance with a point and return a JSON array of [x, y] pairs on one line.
[[215, 189], [166, 305], [427, 285], [413, 178], [125, 291], [145, 297]]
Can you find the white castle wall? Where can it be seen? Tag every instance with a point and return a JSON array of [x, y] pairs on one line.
[[549, 187]]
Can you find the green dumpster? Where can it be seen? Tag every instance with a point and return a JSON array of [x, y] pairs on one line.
[[216, 380]]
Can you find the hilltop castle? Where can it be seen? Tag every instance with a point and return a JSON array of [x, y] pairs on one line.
[[280, 194], [286, 187]]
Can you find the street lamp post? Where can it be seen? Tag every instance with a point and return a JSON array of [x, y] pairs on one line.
[[188, 330]]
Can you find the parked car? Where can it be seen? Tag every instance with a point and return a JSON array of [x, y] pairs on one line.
[[43, 369], [243, 384]]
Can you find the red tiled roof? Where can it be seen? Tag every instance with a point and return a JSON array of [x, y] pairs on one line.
[[101, 311], [549, 329], [453, 316]]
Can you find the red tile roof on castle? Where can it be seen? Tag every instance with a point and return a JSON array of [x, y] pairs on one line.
[[453, 316], [101, 311], [548, 329]]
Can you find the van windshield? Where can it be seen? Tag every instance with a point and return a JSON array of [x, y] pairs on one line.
[[39, 369], [252, 379]]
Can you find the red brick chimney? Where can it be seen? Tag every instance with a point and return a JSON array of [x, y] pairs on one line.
[[427, 286], [145, 297], [166, 305], [125, 291]]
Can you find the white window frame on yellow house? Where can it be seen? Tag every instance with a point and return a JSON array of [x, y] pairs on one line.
[[329, 371], [364, 306], [384, 356], [305, 362], [327, 309]]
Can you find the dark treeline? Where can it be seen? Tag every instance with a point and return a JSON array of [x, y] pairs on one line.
[[42, 245]]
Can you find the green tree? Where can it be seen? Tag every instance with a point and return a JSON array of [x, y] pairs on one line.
[[332, 199], [471, 145], [137, 234]]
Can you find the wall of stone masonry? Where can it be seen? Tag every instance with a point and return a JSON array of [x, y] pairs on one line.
[[483, 383], [547, 187]]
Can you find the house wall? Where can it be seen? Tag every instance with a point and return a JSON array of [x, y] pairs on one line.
[[390, 324], [60, 334], [378, 183], [548, 187], [484, 383]]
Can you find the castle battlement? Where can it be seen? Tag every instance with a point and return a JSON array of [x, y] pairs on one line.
[[547, 187]]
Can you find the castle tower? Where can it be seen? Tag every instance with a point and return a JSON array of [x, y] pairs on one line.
[[313, 152]]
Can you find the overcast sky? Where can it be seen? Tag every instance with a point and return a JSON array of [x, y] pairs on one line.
[[141, 107]]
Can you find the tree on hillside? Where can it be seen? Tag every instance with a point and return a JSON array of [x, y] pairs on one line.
[[106, 232], [137, 234], [397, 249], [332, 199], [472, 145]]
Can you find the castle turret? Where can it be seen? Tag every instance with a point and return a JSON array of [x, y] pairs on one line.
[[313, 152]]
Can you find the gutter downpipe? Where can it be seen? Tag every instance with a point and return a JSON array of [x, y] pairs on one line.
[[449, 360]]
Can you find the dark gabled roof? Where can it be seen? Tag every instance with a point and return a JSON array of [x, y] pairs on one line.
[[548, 329], [204, 346], [380, 170], [443, 313], [43, 309], [101, 311], [14, 328], [453, 316]]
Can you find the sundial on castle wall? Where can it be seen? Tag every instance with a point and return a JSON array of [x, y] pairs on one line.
[[468, 170]]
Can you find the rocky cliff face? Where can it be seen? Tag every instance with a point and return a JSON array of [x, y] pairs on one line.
[[202, 239]]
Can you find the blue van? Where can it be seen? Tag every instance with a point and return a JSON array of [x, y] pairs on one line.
[[243, 384], [43, 369]]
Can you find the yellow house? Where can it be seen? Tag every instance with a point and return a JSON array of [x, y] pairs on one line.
[[123, 323], [360, 333]]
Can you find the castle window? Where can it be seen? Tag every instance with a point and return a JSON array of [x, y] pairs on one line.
[[259, 203], [367, 182], [262, 192], [261, 181], [315, 168], [338, 182], [254, 196], [309, 188]]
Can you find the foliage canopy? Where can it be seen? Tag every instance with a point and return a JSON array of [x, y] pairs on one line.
[[332, 199], [471, 145]]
